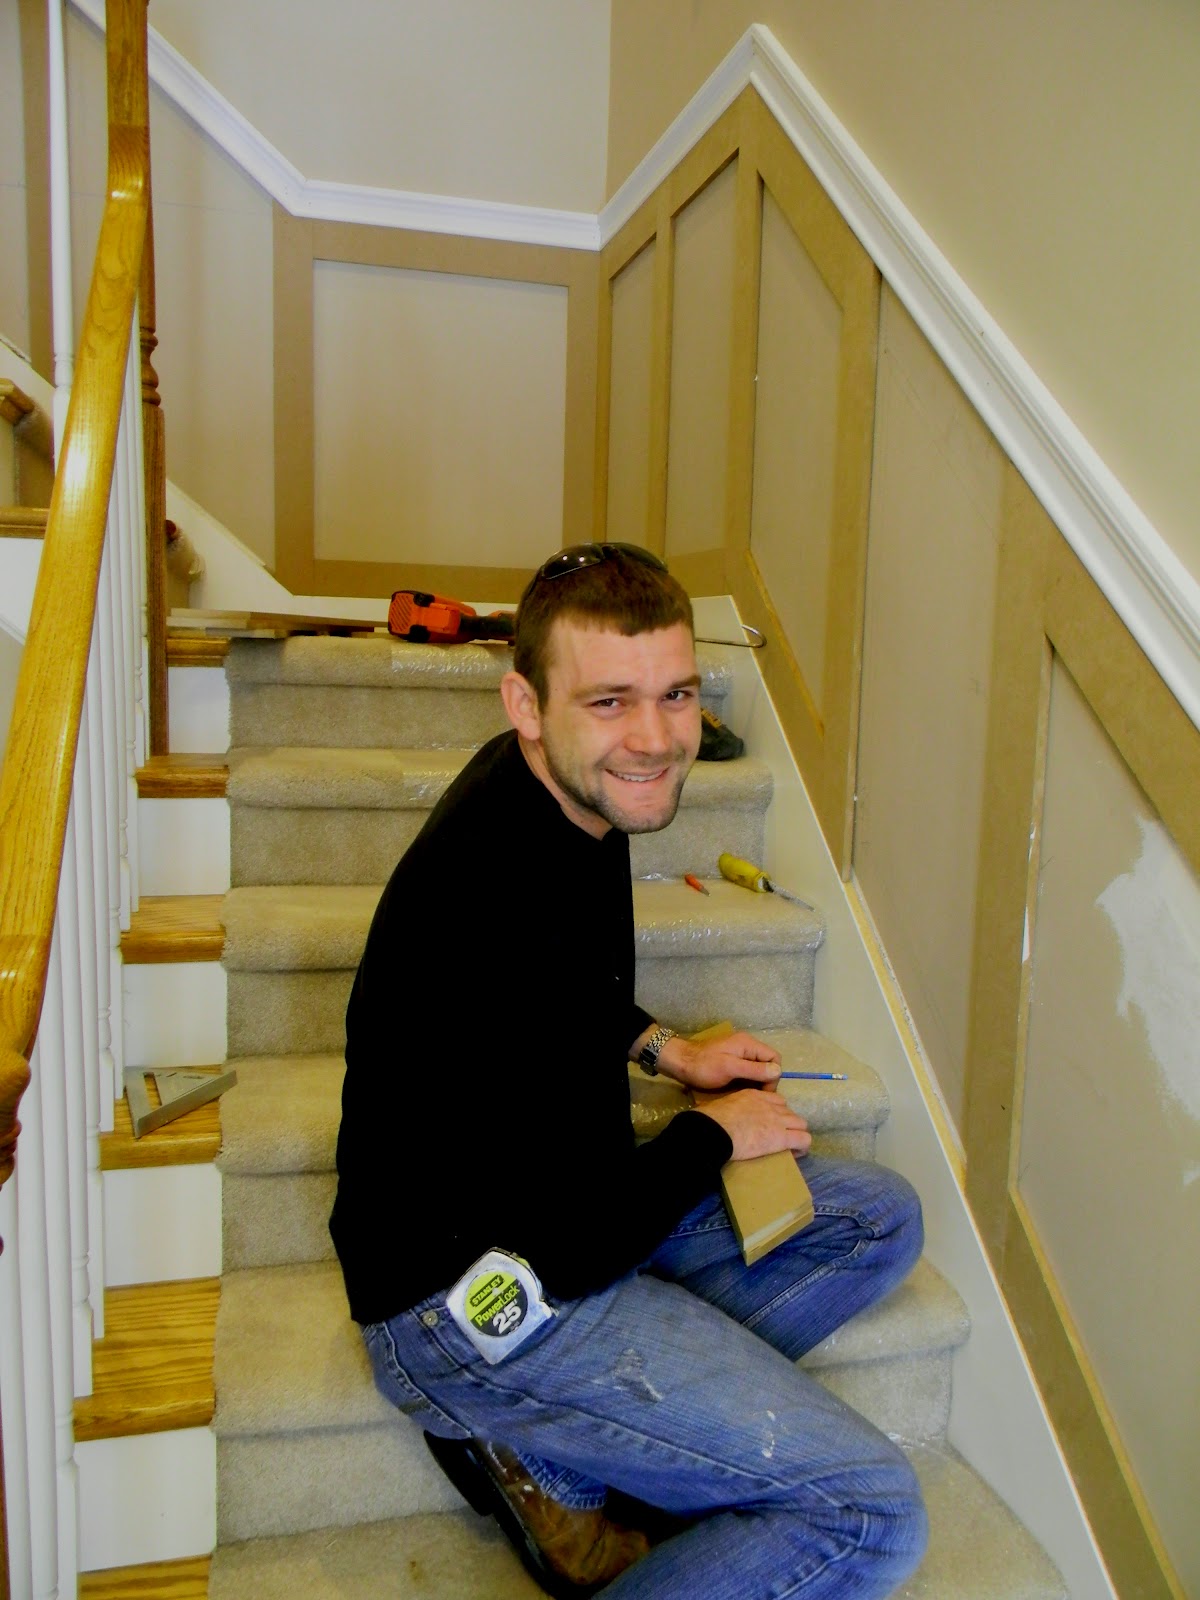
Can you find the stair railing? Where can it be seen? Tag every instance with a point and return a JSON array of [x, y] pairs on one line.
[[67, 865]]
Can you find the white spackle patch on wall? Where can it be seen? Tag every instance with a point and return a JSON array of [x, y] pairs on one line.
[[1155, 913]]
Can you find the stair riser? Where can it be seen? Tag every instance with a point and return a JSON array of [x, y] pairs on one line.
[[283, 1218], [290, 1013], [359, 717], [337, 1477], [283, 846]]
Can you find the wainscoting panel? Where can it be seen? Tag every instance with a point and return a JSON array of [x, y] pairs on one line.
[[479, 341]]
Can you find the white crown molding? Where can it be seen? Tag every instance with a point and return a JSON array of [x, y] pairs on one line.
[[345, 202], [1149, 587], [1147, 584]]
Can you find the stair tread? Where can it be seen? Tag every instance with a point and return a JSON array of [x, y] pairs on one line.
[[324, 927], [284, 1115], [977, 1551], [191, 652], [189, 1140], [153, 1370], [155, 1580], [184, 774], [289, 1358], [174, 927], [383, 662], [298, 776]]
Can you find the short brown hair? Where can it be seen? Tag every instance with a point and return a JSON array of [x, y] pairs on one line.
[[618, 593]]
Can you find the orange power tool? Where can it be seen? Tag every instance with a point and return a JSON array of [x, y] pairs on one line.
[[434, 619]]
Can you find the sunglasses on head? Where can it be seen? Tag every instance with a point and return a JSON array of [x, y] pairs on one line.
[[577, 556]]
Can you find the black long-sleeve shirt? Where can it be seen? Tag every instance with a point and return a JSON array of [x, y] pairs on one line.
[[486, 1098]]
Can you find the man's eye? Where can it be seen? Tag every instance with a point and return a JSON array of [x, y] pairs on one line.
[[606, 704], [678, 695]]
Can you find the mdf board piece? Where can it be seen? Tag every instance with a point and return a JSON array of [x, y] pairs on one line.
[[186, 622], [766, 1197]]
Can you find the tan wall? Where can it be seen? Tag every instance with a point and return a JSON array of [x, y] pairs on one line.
[[14, 307], [10, 665], [212, 230], [1049, 151], [907, 656], [452, 97]]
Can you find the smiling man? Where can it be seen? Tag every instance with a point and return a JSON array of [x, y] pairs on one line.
[[562, 1311]]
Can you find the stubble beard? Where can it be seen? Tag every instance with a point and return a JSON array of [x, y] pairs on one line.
[[601, 804]]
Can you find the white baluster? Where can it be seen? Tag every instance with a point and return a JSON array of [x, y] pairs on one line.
[[137, 534], [77, 926], [58, 1039], [93, 702], [12, 1392], [124, 501], [38, 1372], [62, 311]]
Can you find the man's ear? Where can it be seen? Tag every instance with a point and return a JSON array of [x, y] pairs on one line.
[[521, 704]]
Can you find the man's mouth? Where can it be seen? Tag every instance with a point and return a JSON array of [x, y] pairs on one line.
[[638, 777]]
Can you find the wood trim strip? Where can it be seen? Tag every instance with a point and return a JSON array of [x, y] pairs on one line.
[[23, 522], [191, 1140], [153, 1370], [662, 317], [294, 401], [297, 246], [197, 652], [157, 1580], [183, 775], [174, 927]]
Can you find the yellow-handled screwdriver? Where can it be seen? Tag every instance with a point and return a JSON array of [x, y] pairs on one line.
[[749, 876]]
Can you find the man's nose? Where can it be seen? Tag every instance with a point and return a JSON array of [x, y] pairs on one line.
[[649, 729]]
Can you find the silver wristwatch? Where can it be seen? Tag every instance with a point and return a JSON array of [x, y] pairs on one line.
[[649, 1053]]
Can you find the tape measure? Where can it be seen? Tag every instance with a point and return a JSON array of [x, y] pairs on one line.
[[498, 1303]]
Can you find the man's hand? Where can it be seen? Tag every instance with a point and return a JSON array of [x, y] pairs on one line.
[[759, 1123], [712, 1063]]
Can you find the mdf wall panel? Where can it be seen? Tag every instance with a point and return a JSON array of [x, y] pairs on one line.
[[629, 404], [931, 583], [440, 415], [795, 442], [701, 346], [1107, 1163]]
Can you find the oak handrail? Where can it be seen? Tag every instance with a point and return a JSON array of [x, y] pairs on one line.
[[39, 759]]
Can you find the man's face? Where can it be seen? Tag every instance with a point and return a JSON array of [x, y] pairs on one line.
[[621, 724]]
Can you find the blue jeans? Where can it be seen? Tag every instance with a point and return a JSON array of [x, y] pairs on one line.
[[677, 1385]]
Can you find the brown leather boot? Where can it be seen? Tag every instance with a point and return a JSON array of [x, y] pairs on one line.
[[571, 1553]]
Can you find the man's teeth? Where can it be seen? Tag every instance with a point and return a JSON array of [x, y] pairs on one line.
[[637, 777]]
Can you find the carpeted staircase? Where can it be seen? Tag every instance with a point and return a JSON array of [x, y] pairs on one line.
[[339, 747]]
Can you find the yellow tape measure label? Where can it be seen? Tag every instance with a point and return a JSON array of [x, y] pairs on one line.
[[498, 1303]]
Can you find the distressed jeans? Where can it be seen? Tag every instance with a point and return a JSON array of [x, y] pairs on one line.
[[678, 1386]]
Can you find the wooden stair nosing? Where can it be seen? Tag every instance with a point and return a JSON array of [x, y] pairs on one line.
[[174, 927], [184, 774], [157, 1580], [23, 522], [153, 1370], [197, 652], [191, 1140]]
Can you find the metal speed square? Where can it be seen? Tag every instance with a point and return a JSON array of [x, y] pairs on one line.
[[179, 1091]]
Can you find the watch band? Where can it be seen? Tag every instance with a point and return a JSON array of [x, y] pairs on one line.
[[648, 1054]]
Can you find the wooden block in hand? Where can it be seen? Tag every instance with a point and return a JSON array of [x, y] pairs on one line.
[[766, 1197]]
